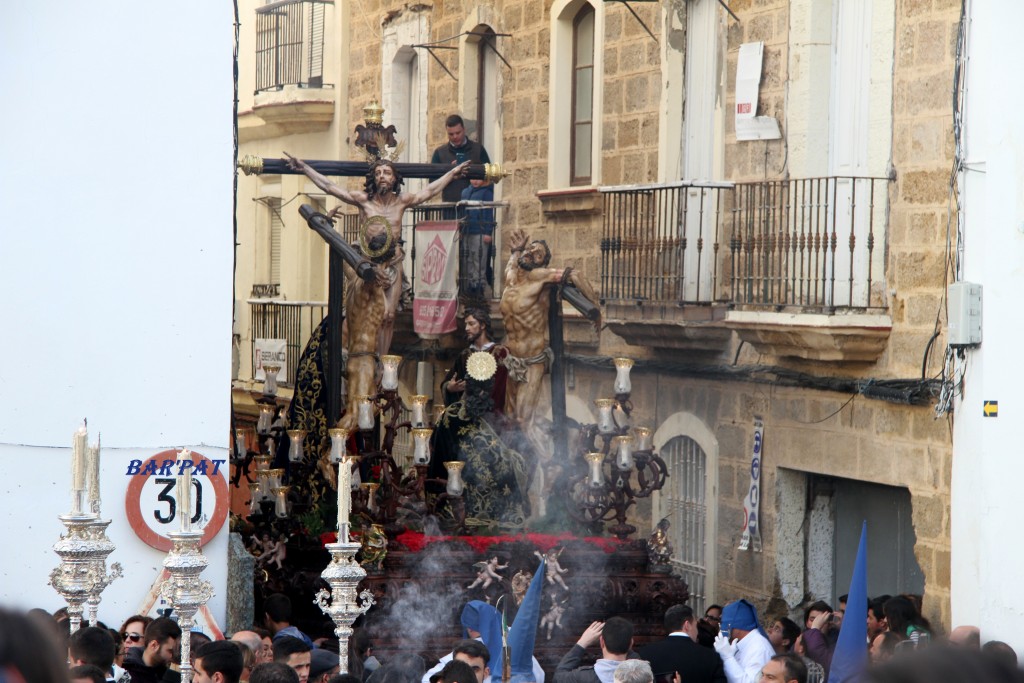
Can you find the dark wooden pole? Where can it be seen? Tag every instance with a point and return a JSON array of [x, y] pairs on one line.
[[557, 343], [335, 305]]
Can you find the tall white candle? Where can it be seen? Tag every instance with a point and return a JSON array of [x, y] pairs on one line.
[[93, 467], [344, 498], [78, 446], [185, 491]]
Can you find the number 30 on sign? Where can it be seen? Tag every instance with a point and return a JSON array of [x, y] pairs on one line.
[[151, 501]]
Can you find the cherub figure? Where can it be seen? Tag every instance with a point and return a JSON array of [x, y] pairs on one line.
[[520, 584], [659, 550], [554, 569], [488, 573], [552, 619], [274, 552], [258, 545]]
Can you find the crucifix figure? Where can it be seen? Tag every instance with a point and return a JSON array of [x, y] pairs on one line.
[[381, 204]]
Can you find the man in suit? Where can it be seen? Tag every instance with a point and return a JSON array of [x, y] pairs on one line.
[[679, 652]]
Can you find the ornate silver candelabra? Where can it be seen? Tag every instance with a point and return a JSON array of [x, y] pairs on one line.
[[97, 530], [81, 573], [341, 604], [184, 590]]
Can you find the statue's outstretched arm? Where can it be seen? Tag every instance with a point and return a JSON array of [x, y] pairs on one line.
[[321, 181], [438, 185]]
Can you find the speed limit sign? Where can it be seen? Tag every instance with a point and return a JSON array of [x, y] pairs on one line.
[[151, 502]]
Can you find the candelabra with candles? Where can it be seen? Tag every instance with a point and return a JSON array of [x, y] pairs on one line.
[[276, 509], [343, 574], [81, 576], [379, 501], [184, 590], [614, 454]]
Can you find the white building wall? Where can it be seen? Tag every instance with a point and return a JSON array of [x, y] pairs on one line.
[[116, 238], [985, 517]]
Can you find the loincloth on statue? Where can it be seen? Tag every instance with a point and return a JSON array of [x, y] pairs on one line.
[[517, 366]]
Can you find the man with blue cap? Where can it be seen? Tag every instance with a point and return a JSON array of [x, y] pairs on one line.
[[742, 644]]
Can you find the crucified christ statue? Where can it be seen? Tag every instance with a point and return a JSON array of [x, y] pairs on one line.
[[381, 205]]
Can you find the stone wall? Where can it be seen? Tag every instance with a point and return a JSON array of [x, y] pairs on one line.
[[812, 432]]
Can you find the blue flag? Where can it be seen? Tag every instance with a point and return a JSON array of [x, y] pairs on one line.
[[851, 655]]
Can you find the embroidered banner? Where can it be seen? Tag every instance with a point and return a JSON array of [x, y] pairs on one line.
[[752, 503], [436, 279]]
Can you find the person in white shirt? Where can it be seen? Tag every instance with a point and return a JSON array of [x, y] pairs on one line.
[[742, 645]]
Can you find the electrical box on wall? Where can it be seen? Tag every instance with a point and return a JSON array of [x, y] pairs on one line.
[[964, 311]]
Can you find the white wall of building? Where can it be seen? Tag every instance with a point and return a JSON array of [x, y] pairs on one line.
[[985, 516], [116, 239]]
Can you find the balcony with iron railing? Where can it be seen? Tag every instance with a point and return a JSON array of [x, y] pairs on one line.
[[289, 321], [793, 266], [291, 94]]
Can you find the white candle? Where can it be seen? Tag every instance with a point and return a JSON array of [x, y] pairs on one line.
[[338, 439], [421, 445], [78, 443], [622, 383], [605, 421], [624, 447], [594, 461], [418, 404], [344, 498], [93, 466], [185, 490], [389, 379], [364, 412]]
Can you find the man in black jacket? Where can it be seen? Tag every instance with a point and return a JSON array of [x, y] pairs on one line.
[[679, 652], [458, 149]]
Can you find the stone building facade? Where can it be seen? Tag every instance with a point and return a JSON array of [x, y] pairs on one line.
[[839, 378]]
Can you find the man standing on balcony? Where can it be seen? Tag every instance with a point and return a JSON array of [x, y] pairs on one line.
[[524, 306], [459, 150]]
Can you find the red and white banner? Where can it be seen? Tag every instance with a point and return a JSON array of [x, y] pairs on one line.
[[436, 284]]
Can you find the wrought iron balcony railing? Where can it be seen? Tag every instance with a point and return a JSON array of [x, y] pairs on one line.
[[293, 321], [660, 242], [807, 243], [290, 44]]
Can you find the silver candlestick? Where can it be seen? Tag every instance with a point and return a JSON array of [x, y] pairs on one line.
[[97, 530], [343, 575], [76, 577], [184, 590]]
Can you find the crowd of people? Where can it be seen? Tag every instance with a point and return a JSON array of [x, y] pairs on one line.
[[727, 644]]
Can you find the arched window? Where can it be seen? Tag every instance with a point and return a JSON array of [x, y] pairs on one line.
[[575, 93], [686, 506], [582, 126]]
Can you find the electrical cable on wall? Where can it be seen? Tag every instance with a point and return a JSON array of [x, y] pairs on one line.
[[954, 366]]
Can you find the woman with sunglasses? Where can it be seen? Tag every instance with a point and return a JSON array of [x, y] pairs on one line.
[[131, 634]]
